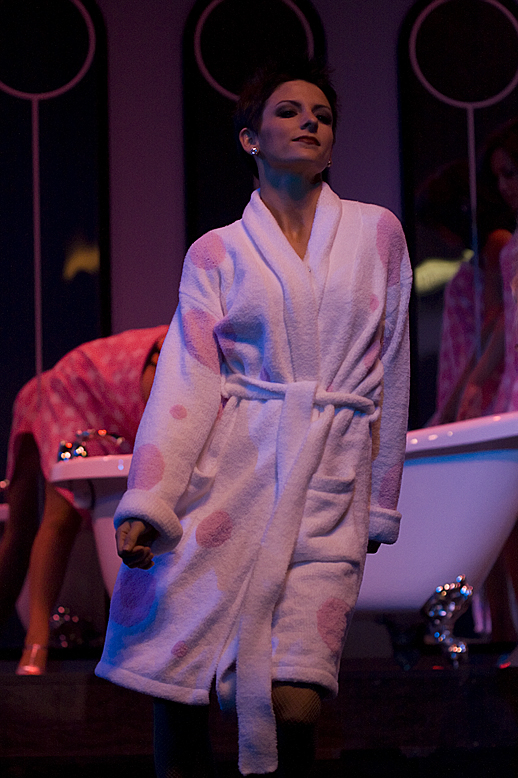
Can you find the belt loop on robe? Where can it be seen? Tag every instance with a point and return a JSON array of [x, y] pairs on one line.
[[300, 445]]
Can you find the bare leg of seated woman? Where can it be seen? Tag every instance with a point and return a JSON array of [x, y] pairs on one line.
[[50, 552], [22, 526]]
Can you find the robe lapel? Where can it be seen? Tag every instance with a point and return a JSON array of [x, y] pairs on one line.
[[302, 295], [323, 233]]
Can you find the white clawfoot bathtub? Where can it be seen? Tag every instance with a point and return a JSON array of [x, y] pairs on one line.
[[98, 484], [459, 500]]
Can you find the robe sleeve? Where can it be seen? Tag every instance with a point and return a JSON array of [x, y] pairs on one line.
[[183, 405], [389, 432]]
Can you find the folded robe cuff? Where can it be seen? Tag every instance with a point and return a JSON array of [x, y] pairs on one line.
[[384, 525], [140, 504]]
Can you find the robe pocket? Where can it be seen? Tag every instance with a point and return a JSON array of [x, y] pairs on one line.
[[327, 503], [197, 489]]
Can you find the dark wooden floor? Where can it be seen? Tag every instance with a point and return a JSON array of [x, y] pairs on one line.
[[428, 721]]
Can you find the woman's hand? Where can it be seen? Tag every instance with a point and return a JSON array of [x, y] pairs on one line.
[[134, 538]]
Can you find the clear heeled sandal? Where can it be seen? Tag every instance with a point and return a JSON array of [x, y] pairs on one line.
[[37, 661]]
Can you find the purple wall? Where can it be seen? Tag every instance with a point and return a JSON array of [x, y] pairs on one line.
[[146, 160]]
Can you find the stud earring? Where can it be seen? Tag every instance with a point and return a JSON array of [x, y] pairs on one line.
[[329, 163], [254, 151]]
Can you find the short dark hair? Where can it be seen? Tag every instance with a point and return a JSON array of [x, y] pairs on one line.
[[257, 90]]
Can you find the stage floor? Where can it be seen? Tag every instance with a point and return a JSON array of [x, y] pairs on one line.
[[427, 721]]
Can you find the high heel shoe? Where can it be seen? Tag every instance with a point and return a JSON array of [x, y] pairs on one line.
[[36, 662]]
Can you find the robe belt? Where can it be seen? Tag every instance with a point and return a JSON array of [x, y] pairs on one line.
[[248, 388], [301, 440]]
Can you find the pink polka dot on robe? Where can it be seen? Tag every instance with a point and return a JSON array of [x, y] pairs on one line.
[[389, 489], [214, 530], [198, 327], [134, 597], [180, 649], [208, 252], [178, 412], [332, 623], [147, 467]]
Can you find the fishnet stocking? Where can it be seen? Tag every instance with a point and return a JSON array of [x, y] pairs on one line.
[[296, 703], [182, 744], [297, 708]]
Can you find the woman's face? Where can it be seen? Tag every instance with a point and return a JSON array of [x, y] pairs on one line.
[[296, 129], [506, 173]]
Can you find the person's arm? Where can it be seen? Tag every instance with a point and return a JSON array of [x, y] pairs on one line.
[[470, 405], [180, 412], [389, 431]]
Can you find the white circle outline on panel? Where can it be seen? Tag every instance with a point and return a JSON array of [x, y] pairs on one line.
[[65, 88], [435, 92], [197, 44]]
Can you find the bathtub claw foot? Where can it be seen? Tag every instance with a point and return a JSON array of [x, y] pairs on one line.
[[442, 610]]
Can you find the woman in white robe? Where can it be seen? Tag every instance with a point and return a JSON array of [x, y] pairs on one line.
[[271, 449]]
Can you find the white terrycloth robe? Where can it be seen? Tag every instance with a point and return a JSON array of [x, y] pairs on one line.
[[265, 501]]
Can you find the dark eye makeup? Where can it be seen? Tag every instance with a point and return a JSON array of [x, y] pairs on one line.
[[288, 112]]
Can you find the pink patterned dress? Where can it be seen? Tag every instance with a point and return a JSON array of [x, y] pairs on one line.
[[458, 344], [96, 385], [507, 397]]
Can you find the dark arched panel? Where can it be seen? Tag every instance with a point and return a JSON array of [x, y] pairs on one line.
[[467, 51], [53, 187], [224, 41]]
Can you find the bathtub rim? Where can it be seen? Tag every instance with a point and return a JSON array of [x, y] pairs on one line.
[[479, 432], [457, 435], [80, 468]]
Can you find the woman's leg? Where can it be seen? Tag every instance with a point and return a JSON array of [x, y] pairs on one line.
[[22, 526], [297, 710], [181, 740], [49, 558], [182, 743]]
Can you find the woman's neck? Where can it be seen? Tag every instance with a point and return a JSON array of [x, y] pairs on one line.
[[292, 201]]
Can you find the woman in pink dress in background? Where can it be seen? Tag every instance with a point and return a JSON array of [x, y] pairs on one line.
[[476, 393], [101, 384], [444, 206]]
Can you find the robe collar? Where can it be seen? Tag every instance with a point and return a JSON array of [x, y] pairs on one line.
[[302, 281]]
